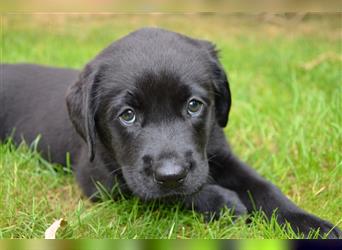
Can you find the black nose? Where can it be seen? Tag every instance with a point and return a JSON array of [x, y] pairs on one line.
[[170, 175]]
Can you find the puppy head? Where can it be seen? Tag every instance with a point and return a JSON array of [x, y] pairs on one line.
[[150, 101]]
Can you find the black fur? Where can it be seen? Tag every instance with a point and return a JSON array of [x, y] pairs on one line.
[[155, 73]]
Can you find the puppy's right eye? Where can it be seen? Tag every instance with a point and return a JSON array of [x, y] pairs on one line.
[[127, 117], [195, 107]]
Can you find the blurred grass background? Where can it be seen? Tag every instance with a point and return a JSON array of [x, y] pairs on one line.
[[285, 78]]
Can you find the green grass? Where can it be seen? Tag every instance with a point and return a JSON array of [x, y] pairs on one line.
[[285, 122]]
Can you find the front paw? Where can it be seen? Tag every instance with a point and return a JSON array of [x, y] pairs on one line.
[[306, 223], [211, 199]]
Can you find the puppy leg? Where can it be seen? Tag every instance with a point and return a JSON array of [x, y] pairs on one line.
[[211, 199], [258, 194], [92, 179], [97, 176]]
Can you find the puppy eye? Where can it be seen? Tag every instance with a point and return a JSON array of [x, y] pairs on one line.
[[194, 107], [127, 117]]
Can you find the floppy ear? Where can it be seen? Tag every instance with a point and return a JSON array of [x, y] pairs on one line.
[[82, 105], [221, 86], [223, 99]]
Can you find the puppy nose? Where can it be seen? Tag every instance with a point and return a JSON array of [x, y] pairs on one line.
[[170, 175]]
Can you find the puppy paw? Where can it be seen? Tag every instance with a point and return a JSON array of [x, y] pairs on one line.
[[211, 199], [304, 223]]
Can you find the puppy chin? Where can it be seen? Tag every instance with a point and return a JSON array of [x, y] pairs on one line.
[[155, 192]]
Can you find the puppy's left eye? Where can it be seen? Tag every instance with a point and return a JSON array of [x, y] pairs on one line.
[[127, 118], [195, 107]]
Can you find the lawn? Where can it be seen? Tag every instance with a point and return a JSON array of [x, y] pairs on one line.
[[285, 121]]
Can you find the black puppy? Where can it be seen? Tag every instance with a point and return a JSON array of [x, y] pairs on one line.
[[149, 112]]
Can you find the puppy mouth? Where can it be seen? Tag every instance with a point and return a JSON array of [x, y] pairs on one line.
[[170, 193]]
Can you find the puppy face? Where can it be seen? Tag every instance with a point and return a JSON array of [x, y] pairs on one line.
[[150, 100], [158, 128]]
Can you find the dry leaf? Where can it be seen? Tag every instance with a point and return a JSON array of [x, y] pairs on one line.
[[50, 233]]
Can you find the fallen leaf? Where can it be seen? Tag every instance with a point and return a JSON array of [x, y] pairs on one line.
[[50, 233]]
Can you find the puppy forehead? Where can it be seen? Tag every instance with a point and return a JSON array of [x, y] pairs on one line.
[[152, 79], [165, 87]]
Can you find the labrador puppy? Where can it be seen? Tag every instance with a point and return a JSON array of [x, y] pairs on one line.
[[146, 114]]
